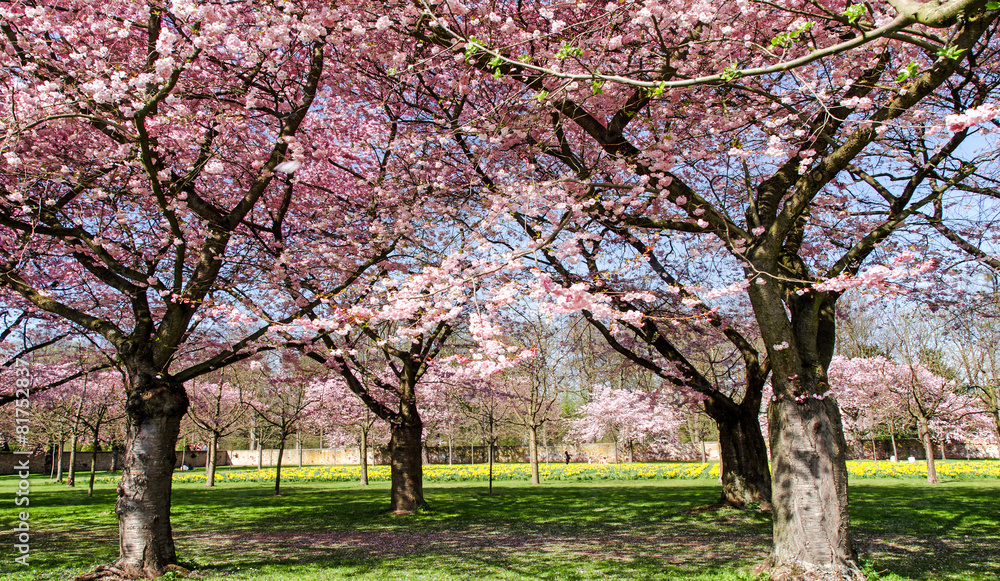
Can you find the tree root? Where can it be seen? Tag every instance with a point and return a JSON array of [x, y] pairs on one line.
[[805, 572], [113, 573]]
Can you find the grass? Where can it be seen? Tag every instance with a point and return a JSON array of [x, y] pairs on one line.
[[574, 530]]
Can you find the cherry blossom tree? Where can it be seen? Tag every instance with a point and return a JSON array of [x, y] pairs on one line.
[[868, 406], [382, 366], [933, 402], [737, 129], [627, 416], [142, 145]]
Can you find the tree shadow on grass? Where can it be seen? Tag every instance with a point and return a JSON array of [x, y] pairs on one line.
[[928, 532]]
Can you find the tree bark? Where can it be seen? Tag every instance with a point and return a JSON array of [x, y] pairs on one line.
[[59, 455], [925, 437], [742, 454], [277, 467], [406, 466], [210, 462], [154, 408], [533, 453], [811, 524], [489, 459], [71, 475], [93, 466]]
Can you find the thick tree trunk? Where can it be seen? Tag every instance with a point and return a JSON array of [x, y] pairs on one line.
[[212, 460], [363, 457], [155, 406], [811, 524], [406, 467], [742, 454], [533, 453], [925, 437]]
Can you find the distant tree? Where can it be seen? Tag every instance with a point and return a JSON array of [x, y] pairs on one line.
[[626, 416], [217, 408], [285, 393], [934, 403]]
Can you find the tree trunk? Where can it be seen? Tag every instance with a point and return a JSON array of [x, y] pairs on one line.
[[895, 453], [811, 525], [71, 475], [363, 458], [489, 459], [533, 453], [925, 437], [154, 408], [59, 468], [212, 460], [406, 467], [742, 454], [93, 467], [298, 447], [277, 467]]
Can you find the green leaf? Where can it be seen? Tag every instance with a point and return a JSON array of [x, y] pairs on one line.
[[731, 72], [909, 72], [993, 5], [569, 50], [854, 12], [785, 39], [471, 46], [950, 52]]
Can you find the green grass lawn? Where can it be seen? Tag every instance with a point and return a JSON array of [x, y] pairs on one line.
[[636, 529]]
